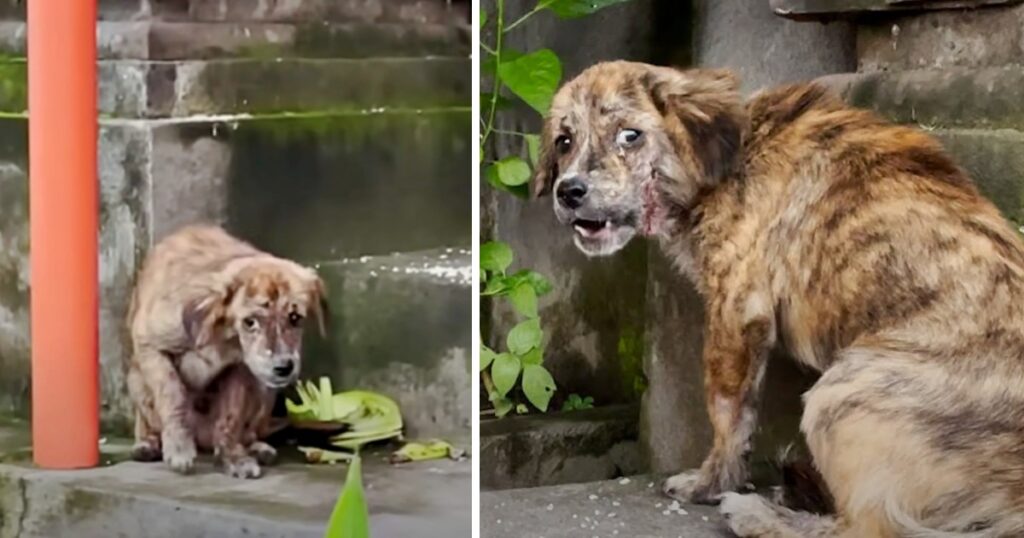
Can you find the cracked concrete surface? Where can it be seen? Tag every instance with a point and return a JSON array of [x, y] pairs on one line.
[[293, 500]]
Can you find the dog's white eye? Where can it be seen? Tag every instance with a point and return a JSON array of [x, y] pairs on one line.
[[563, 143], [295, 319], [627, 137], [250, 323]]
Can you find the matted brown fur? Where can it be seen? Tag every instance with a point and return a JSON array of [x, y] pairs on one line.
[[855, 244], [216, 328]]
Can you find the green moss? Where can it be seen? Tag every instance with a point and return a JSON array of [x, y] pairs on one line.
[[13, 86], [631, 361]]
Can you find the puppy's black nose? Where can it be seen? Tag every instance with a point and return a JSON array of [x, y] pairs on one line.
[[571, 192], [284, 369]]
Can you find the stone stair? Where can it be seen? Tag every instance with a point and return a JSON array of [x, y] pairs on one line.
[[958, 74]]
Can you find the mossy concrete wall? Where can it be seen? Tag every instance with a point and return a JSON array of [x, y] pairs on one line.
[[309, 146]]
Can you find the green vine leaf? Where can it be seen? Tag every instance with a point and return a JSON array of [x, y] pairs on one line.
[[513, 171], [533, 77], [505, 371], [534, 356], [572, 9], [487, 356], [495, 256], [525, 336], [524, 299], [538, 386]]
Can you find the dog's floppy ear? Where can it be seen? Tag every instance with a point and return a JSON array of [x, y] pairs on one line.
[[546, 170], [318, 306], [704, 116], [201, 317]]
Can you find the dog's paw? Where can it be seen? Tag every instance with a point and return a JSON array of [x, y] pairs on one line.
[[263, 452], [246, 467], [146, 450], [691, 487], [179, 452], [751, 516]]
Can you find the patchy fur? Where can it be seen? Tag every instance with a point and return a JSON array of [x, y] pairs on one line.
[[855, 244], [205, 302]]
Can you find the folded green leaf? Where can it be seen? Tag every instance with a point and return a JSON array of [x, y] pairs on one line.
[[431, 450], [350, 517]]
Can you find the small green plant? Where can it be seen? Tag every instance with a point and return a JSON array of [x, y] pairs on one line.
[[519, 369], [532, 78], [575, 403]]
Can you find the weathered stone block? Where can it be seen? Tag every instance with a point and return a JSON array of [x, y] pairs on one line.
[[399, 326], [123, 239], [324, 187], [560, 448], [942, 39], [953, 97], [177, 40], [995, 159]]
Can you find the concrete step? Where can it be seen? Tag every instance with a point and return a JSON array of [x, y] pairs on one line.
[[307, 11], [830, 9], [292, 500], [399, 326], [186, 40], [941, 39], [146, 89], [988, 97], [560, 448], [632, 507]]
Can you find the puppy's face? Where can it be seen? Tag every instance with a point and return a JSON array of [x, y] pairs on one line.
[[625, 143], [267, 306]]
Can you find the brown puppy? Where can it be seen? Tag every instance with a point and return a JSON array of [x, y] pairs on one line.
[[205, 301], [857, 245]]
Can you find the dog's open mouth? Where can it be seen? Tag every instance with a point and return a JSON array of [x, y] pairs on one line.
[[591, 228]]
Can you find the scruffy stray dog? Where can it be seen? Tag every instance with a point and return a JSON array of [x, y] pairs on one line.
[[204, 302], [857, 245]]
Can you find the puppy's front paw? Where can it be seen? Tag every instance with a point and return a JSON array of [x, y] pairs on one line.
[[263, 452], [692, 486], [179, 451], [246, 467]]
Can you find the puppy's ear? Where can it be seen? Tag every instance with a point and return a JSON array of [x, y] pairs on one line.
[[201, 317], [546, 170], [704, 117], [318, 305]]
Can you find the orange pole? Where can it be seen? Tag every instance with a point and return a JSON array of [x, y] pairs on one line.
[[63, 222]]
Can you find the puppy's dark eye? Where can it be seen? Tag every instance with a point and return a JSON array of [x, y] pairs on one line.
[[250, 323], [563, 144], [627, 137], [294, 319]]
